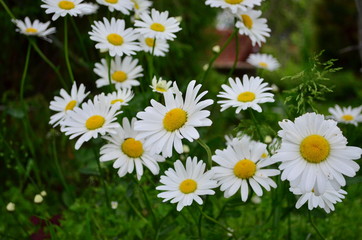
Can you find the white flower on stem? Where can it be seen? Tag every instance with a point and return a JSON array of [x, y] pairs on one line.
[[158, 47], [91, 8], [346, 115], [233, 5], [38, 198], [36, 28], [160, 85], [264, 61], [122, 96], [141, 6], [10, 207], [60, 8], [124, 6]]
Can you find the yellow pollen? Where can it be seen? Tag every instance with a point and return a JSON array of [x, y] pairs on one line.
[[263, 64], [174, 119], [115, 39], [314, 149], [347, 117], [264, 155], [70, 105], [233, 1], [150, 42], [161, 89], [119, 76], [31, 30], [136, 6], [66, 5], [94, 122], [188, 186], [158, 27], [246, 97], [248, 22], [245, 169], [132, 148], [111, 1], [117, 100]]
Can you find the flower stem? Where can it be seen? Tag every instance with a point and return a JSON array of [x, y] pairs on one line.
[[7, 9], [66, 53], [314, 226], [79, 36], [236, 33], [208, 151], [150, 62], [101, 178], [256, 125], [25, 71]]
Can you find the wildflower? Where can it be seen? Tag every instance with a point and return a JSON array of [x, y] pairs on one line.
[[141, 6], [10, 207], [61, 8], [247, 94], [43, 193], [36, 28], [114, 204], [124, 6], [216, 49], [183, 185], [160, 85], [264, 61], [123, 96], [159, 47], [38, 198], [233, 5], [91, 8], [347, 115], [165, 126]]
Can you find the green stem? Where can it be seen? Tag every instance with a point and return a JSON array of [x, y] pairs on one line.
[[134, 208], [208, 151], [150, 62], [314, 226], [236, 33], [149, 206], [108, 203], [66, 53], [25, 71], [112, 86], [256, 125], [7, 9]]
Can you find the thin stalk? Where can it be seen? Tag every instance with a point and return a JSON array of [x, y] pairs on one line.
[[208, 151], [112, 86], [314, 226], [106, 196], [150, 62], [25, 71], [149, 206], [135, 209], [66, 50], [256, 125], [7, 9], [79, 36], [236, 33]]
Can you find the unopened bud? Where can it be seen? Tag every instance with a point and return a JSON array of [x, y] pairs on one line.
[[216, 49], [10, 207], [38, 198]]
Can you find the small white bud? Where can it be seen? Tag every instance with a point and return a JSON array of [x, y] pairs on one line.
[[186, 148], [114, 204], [43, 193], [275, 88], [255, 199], [216, 49], [205, 67], [268, 139], [178, 18], [38, 198], [10, 207]]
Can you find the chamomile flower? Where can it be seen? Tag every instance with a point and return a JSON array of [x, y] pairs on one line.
[[66, 102], [36, 28], [141, 6], [314, 151], [91, 8], [346, 114], [159, 47], [123, 96], [124, 72], [157, 25], [160, 85], [164, 126], [247, 94], [124, 6], [183, 185], [60, 8], [240, 165], [128, 153], [233, 5], [252, 25], [114, 37], [264, 61], [93, 118]]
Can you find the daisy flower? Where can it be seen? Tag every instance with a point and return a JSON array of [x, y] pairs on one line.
[[93, 118], [157, 25], [128, 153], [233, 5], [346, 114], [60, 8], [159, 46], [36, 28], [240, 165], [91, 8], [265, 61], [124, 6], [160, 85], [314, 151], [252, 25], [247, 94], [66, 102], [114, 37], [124, 72], [141, 6], [123, 96], [165, 126], [183, 185]]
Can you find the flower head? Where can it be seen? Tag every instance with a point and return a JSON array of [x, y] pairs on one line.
[[36, 28], [264, 61], [158, 47], [233, 5], [141, 6], [346, 115], [122, 96], [124, 6], [60, 8], [160, 85]]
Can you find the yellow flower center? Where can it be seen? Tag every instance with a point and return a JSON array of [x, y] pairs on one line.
[[246, 97], [188, 186], [70, 105], [248, 22], [263, 64], [174, 119], [94, 122], [161, 89], [111, 1], [150, 42], [132, 148], [314, 148], [158, 27], [115, 39], [136, 6], [119, 76], [117, 100], [66, 5], [31, 30], [245, 169], [347, 117], [233, 1]]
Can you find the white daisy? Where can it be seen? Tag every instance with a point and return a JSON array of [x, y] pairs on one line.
[[160, 85], [314, 151], [252, 25], [124, 72], [183, 185], [91, 8], [36, 28], [265, 61], [165, 126], [157, 25], [60, 8], [233, 5], [141, 6], [93, 118], [242, 95], [114, 37], [66, 102], [129, 153], [124, 6], [123, 96], [241, 164], [346, 114], [159, 46]]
